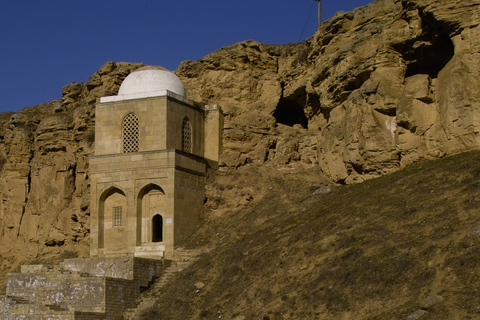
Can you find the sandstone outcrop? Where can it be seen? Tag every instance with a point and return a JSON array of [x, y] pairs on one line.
[[372, 91], [44, 182]]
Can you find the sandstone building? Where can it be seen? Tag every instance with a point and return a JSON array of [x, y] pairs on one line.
[[153, 147], [152, 151]]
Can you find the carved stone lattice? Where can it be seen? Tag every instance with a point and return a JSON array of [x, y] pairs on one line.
[[130, 133], [186, 136], [117, 216]]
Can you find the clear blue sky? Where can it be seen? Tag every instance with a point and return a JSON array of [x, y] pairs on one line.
[[45, 45]]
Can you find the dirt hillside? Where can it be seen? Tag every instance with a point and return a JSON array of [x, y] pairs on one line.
[[403, 246]]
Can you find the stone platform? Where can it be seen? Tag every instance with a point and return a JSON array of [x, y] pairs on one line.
[[80, 289]]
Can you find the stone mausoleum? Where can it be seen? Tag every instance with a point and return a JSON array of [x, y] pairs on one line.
[[153, 150], [153, 147]]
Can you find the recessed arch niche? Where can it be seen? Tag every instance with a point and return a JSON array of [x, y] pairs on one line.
[[111, 218], [150, 204]]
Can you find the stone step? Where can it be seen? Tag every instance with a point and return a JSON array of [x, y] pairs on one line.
[[18, 300], [56, 307], [40, 311], [182, 258]]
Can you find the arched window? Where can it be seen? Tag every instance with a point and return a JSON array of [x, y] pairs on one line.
[[157, 228], [186, 135], [130, 129]]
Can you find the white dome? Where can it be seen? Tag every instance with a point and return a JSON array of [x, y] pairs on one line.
[[151, 79]]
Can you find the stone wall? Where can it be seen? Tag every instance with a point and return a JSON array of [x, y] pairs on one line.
[[99, 288], [6, 308], [59, 289], [132, 173], [213, 137]]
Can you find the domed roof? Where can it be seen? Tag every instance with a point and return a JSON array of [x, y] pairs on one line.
[[150, 79]]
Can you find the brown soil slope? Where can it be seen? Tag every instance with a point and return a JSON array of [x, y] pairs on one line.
[[404, 245]]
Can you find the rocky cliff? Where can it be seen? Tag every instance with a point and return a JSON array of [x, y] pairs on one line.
[[44, 182], [372, 91]]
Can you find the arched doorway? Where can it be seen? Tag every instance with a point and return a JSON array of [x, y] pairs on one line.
[[151, 203], [157, 228]]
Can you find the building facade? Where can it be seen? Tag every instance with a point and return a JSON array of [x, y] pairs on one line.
[[153, 148]]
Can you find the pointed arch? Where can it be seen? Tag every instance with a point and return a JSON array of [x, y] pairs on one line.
[[111, 211], [150, 202], [186, 135], [130, 133]]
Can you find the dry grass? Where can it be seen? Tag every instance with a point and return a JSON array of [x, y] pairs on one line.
[[367, 251]]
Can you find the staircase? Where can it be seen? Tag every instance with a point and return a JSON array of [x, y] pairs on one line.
[[182, 258]]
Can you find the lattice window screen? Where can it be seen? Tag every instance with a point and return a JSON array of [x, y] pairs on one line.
[[186, 136], [117, 216], [130, 133]]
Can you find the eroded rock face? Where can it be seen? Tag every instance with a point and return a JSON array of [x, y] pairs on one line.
[[44, 184], [372, 91]]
